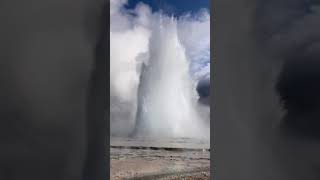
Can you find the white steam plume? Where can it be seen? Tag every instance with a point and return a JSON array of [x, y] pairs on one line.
[[130, 34]]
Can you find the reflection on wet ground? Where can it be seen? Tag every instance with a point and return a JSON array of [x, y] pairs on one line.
[[164, 158]]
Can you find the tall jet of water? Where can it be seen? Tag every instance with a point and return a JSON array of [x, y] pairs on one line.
[[166, 95]]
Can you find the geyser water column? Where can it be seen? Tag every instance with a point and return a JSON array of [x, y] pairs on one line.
[[166, 95]]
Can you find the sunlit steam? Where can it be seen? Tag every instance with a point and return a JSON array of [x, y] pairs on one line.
[[152, 91], [166, 101]]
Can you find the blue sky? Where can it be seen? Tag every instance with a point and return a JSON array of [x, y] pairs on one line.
[[175, 7]]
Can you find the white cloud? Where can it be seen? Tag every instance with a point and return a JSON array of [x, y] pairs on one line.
[[194, 32]]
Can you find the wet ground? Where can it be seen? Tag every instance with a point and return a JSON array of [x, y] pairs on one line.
[[164, 158]]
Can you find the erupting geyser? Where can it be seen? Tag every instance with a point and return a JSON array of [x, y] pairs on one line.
[[166, 96]]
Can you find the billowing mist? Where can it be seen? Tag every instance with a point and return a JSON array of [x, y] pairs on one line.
[[162, 57]]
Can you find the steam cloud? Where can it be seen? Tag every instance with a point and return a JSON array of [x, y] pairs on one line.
[[130, 34]]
